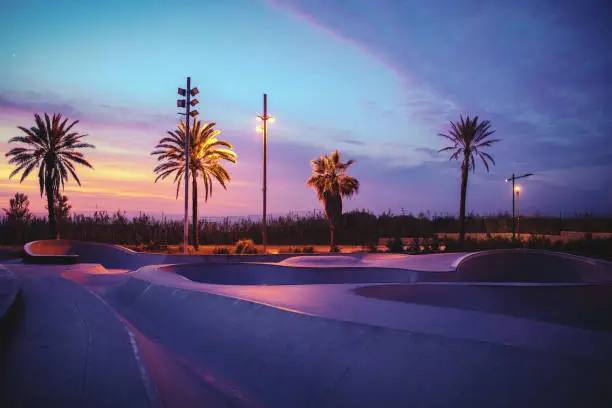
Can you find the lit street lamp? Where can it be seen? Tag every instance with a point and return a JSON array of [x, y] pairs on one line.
[[264, 129], [517, 191], [513, 179], [187, 104]]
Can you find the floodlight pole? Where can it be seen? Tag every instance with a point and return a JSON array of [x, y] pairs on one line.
[[265, 170], [187, 103], [264, 129], [186, 225]]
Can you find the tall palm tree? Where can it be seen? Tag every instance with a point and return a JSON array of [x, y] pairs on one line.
[[51, 147], [468, 138], [205, 154], [332, 184]]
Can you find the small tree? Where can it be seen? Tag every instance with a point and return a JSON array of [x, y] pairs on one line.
[[18, 215]]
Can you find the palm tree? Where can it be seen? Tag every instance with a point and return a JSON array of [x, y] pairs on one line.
[[469, 137], [51, 147], [332, 184], [205, 154]]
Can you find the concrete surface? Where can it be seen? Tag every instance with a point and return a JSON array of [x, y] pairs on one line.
[[279, 356], [280, 274], [98, 335], [9, 289], [66, 348]]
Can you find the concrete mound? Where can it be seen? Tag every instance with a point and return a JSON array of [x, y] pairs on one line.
[[523, 265]]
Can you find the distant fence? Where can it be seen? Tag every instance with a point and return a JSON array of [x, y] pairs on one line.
[[564, 236]]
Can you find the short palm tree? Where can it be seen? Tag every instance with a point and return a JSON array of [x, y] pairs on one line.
[[332, 184], [468, 138], [206, 152], [51, 147]]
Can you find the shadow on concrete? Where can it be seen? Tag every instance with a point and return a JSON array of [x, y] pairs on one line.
[[583, 306], [265, 274]]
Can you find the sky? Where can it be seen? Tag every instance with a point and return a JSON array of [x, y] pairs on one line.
[[377, 80]]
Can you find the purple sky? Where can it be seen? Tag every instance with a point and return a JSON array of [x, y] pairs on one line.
[[376, 79]]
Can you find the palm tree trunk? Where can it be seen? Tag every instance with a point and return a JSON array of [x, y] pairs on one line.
[[464, 181], [332, 238], [194, 188], [51, 207]]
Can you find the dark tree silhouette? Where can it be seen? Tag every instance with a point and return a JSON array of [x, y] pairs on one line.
[[468, 138], [51, 147], [332, 184]]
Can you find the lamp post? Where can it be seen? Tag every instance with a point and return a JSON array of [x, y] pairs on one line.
[[513, 179], [264, 129], [517, 190], [187, 103]]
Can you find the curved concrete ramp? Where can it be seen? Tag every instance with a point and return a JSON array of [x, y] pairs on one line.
[[270, 274], [268, 357], [118, 257], [523, 265]]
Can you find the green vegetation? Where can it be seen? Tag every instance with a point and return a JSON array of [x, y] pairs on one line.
[[50, 147], [245, 246]]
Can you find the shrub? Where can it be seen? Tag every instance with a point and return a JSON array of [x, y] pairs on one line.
[[294, 250], [221, 251], [308, 250], [245, 246], [335, 249], [372, 247], [395, 245], [155, 246]]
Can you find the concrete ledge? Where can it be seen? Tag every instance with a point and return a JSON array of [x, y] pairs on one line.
[[9, 290]]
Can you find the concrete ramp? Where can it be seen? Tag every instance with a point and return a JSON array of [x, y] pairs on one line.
[[264, 356], [524, 265], [118, 257]]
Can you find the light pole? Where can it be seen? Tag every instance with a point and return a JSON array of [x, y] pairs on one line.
[[187, 104], [517, 190], [513, 179], [265, 118]]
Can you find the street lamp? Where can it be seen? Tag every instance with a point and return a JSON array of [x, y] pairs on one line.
[[517, 191], [264, 129], [514, 190], [187, 104]]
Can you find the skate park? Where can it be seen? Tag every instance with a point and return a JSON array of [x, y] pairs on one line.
[[100, 325]]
